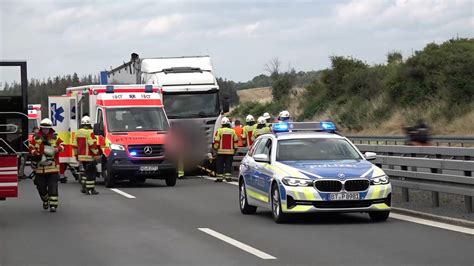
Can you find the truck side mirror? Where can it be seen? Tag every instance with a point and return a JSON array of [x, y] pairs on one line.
[[225, 105], [98, 131]]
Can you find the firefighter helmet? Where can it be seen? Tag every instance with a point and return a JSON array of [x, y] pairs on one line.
[[46, 123], [261, 120], [249, 118], [85, 120], [266, 116], [284, 115], [225, 121]]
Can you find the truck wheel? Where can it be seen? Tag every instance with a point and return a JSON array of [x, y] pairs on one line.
[[171, 179], [109, 180]]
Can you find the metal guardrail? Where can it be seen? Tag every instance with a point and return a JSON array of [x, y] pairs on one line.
[[402, 140], [435, 169]]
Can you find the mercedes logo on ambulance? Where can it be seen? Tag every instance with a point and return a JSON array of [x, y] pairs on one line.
[[147, 150]]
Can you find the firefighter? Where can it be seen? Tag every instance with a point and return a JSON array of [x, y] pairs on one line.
[[87, 152], [284, 116], [268, 119], [45, 148], [248, 131], [239, 131], [261, 128], [225, 144]]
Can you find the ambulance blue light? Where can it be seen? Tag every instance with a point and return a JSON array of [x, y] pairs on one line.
[[327, 126], [280, 127], [109, 89], [148, 88], [133, 153]]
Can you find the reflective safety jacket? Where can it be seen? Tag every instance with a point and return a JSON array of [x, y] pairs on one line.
[[85, 145], [225, 141], [37, 149], [247, 135], [260, 131], [239, 130]]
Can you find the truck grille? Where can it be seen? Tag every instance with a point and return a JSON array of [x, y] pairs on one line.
[[153, 150], [356, 185], [328, 185]]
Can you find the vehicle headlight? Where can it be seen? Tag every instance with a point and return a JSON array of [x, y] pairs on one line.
[[297, 182], [117, 147], [380, 180]]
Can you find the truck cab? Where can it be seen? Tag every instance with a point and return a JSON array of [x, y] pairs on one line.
[[190, 88], [131, 126]]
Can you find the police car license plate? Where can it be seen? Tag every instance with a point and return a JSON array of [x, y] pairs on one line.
[[148, 168], [344, 196]]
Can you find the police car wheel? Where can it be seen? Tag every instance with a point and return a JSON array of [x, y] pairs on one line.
[[379, 216], [109, 181], [277, 214], [245, 208]]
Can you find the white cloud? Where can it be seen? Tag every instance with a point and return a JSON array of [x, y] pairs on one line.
[[238, 31], [160, 25]]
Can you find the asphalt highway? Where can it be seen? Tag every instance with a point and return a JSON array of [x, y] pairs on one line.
[[198, 222]]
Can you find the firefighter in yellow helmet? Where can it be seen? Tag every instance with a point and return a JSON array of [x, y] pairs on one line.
[[261, 128], [225, 144], [247, 131], [268, 119], [45, 148], [86, 151]]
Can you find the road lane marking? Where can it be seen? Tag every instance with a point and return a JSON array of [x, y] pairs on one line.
[[238, 244], [123, 193], [456, 228], [412, 219]]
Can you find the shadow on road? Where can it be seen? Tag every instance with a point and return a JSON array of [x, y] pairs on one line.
[[320, 218]]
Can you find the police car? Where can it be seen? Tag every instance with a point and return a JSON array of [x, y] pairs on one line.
[[309, 167]]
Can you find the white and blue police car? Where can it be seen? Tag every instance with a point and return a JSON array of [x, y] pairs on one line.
[[309, 167]]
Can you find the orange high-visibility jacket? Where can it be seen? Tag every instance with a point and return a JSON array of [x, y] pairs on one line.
[[225, 141], [239, 130]]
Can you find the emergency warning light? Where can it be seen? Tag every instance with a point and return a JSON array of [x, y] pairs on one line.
[[327, 126], [148, 88], [280, 127], [109, 89], [133, 153]]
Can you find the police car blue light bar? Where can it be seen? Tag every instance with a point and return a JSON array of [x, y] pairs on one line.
[[327, 126], [280, 127]]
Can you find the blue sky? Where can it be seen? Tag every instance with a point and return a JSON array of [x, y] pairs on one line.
[[62, 37]]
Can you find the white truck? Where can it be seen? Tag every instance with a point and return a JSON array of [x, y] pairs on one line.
[[190, 89]]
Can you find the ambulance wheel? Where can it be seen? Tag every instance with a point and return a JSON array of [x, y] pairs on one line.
[[278, 216], [245, 208], [109, 180], [170, 179], [379, 216]]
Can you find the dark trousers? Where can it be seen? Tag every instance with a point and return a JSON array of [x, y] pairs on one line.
[[47, 185], [224, 164], [90, 172]]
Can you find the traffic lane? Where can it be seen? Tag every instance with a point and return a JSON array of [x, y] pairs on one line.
[[101, 230], [315, 238]]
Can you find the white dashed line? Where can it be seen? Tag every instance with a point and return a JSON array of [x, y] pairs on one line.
[[123, 193], [238, 244]]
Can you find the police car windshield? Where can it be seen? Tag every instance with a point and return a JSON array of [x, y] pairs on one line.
[[136, 119], [316, 149], [191, 105]]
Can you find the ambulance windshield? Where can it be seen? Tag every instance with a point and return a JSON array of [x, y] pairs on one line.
[[191, 104], [136, 119]]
